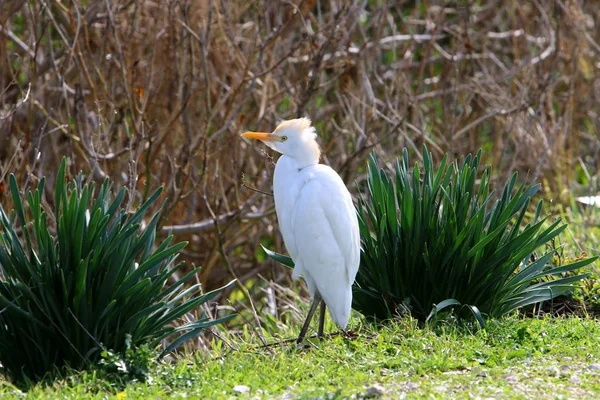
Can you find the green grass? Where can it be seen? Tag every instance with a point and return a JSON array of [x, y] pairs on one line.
[[511, 358]]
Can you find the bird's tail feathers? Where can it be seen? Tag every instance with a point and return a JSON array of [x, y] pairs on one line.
[[339, 306]]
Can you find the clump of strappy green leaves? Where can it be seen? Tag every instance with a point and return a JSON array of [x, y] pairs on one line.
[[438, 238], [86, 278]]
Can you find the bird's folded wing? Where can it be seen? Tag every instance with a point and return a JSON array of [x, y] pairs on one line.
[[324, 234]]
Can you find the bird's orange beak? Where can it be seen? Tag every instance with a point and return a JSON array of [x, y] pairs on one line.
[[265, 137]]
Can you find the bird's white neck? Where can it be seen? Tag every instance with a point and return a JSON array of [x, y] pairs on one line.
[[307, 154]]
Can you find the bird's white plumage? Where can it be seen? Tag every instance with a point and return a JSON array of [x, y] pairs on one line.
[[316, 216], [320, 230]]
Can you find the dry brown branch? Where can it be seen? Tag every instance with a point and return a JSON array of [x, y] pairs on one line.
[[210, 224], [18, 105]]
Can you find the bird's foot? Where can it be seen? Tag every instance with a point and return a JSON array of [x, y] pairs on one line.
[[349, 334]]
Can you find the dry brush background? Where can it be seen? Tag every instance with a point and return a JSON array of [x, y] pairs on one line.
[[153, 93]]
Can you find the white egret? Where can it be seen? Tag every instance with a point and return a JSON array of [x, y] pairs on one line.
[[317, 220]]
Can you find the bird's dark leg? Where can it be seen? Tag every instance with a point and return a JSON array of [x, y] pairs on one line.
[[321, 320], [311, 312]]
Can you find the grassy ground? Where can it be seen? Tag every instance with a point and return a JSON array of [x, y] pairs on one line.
[[513, 358]]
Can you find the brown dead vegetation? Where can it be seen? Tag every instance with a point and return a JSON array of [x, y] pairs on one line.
[[153, 93]]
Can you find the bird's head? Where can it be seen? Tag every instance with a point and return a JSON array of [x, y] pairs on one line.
[[295, 138]]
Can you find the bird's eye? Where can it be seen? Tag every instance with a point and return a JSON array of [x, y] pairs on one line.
[[283, 138]]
